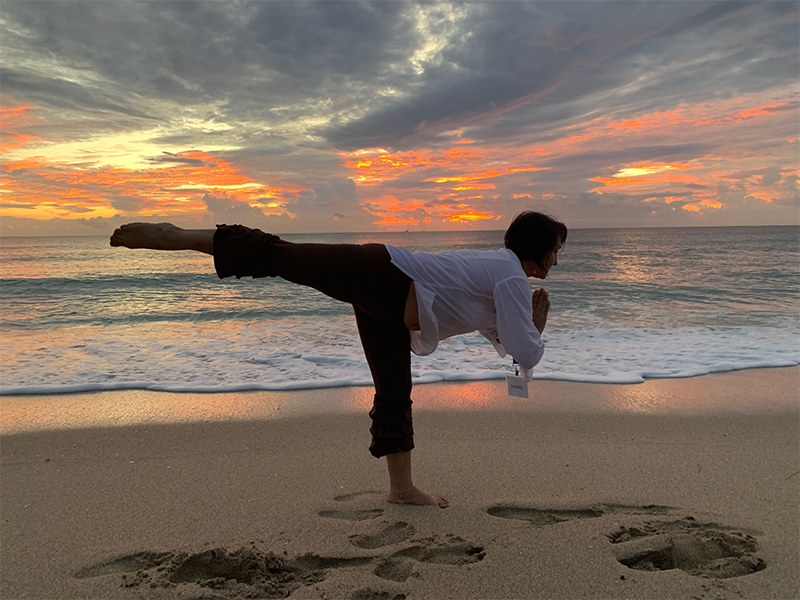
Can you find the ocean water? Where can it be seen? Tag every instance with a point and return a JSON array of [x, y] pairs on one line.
[[626, 305]]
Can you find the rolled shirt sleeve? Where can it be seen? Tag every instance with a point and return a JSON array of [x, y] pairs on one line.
[[516, 332]]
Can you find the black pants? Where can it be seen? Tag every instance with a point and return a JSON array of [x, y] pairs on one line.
[[361, 275]]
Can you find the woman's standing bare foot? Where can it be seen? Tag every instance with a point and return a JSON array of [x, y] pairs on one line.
[[401, 488], [416, 496], [155, 236]]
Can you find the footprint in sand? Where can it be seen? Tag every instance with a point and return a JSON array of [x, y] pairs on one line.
[[397, 567], [244, 573], [250, 573], [394, 569], [551, 516], [706, 550], [393, 534], [351, 515], [128, 563]]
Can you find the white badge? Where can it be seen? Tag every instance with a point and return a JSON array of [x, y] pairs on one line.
[[517, 386]]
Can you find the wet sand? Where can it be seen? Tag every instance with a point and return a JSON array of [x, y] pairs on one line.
[[670, 489]]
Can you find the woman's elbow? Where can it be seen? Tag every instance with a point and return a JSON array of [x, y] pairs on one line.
[[531, 356]]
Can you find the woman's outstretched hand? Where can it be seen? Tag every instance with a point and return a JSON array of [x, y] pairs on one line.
[[541, 306]]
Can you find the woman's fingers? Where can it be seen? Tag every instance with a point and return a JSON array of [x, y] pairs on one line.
[[540, 305]]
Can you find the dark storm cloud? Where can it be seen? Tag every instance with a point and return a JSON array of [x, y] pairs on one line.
[[589, 50], [252, 56], [278, 61], [62, 94], [171, 158], [347, 38]]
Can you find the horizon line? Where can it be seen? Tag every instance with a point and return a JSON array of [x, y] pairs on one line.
[[443, 231]]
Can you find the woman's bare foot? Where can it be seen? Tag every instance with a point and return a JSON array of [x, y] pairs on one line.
[[416, 496], [156, 236]]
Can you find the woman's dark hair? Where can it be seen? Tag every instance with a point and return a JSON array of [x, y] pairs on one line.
[[532, 235]]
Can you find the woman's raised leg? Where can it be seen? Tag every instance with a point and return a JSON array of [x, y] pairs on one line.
[[360, 275]]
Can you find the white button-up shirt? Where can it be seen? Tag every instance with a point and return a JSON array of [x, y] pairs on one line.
[[467, 290]]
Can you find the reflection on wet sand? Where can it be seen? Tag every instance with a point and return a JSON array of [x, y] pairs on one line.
[[751, 391]]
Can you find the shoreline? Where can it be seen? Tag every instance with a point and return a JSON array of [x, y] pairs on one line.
[[494, 375], [747, 391]]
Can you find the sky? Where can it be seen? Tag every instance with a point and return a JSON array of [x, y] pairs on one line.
[[367, 116]]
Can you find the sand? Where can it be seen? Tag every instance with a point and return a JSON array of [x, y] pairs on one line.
[[669, 489]]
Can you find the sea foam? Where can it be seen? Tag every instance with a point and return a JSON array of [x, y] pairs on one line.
[[304, 353]]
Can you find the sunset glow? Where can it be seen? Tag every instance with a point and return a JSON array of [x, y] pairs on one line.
[[198, 147], [41, 189]]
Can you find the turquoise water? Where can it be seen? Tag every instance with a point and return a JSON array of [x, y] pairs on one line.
[[627, 304]]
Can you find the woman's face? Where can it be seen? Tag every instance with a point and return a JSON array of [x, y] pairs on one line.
[[551, 260], [532, 269]]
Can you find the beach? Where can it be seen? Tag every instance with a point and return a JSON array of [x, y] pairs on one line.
[[690, 482]]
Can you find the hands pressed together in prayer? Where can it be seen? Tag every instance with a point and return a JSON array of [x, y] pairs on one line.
[[541, 306]]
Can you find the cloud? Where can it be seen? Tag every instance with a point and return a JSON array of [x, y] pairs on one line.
[[508, 56], [173, 158], [63, 94], [128, 203], [267, 108], [226, 210], [334, 204]]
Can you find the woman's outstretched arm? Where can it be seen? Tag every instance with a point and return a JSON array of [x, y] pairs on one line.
[[163, 236]]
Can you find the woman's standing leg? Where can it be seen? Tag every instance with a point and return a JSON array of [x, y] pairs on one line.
[[387, 347]]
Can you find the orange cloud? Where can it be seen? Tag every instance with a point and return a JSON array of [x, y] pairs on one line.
[[643, 175], [11, 119], [471, 177], [708, 203], [377, 168], [40, 188], [475, 186], [647, 169], [397, 221], [470, 216], [175, 184], [468, 169], [716, 114]]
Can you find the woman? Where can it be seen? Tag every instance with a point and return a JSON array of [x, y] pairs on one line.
[[403, 301]]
